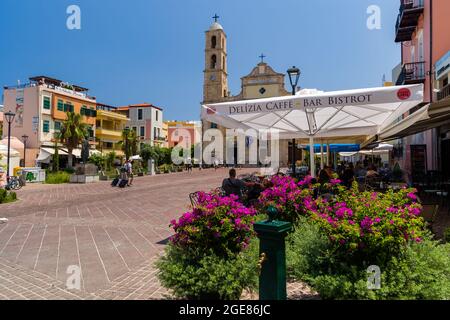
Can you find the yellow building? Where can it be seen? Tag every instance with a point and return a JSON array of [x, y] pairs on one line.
[[109, 127]]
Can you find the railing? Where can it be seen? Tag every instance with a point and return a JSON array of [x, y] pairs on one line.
[[444, 93], [412, 73], [408, 6]]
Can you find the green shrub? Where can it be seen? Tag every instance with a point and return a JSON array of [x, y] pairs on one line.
[[447, 235], [57, 177], [6, 196], [197, 275], [69, 170], [421, 272], [307, 251]]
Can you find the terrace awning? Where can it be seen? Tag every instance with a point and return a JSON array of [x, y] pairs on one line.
[[426, 118], [308, 115]]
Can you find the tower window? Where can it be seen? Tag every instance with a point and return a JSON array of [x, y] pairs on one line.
[[224, 93], [213, 61], [223, 63], [213, 42]]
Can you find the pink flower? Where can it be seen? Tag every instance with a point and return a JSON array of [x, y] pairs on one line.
[[412, 196]]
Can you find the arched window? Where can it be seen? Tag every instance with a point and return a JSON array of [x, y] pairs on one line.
[[213, 42], [223, 63], [224, 93], [213, 61], [223, 43]]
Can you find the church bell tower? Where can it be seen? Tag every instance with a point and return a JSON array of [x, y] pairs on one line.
[[215, 83]]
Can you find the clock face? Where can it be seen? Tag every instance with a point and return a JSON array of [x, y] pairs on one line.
[[212, 77]]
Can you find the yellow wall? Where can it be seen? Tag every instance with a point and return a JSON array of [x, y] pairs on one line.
[[252, 92]]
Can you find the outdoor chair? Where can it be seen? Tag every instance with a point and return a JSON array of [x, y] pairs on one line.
[[193, 197]]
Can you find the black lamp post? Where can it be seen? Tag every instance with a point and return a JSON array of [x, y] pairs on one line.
[[25, 139], [294, 75], [9, 117]]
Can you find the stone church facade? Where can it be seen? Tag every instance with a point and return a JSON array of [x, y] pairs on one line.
[[261, 82]]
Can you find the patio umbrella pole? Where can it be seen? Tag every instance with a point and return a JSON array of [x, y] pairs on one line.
[[321, 155], [311, 156]]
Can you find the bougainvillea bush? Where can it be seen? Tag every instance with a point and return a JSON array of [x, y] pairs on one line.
[[287, 196], [212, 254], [369, 226], [221, 224]]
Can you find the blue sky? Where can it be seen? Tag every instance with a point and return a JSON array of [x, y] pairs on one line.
[[153, 51]]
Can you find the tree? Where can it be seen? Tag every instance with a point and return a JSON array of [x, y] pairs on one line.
[[110, 157], [129, 143], [148, 152], [73, 131]]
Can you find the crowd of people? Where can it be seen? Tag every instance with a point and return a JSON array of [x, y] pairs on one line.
[[360, 172]]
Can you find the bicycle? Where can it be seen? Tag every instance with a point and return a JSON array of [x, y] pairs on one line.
[[13, 184]]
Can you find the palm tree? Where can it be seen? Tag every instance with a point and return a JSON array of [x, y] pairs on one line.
[[73, 131], [129, 143]]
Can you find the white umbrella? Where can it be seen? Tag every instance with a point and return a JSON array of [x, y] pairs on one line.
[[136, 157], [349, 113]]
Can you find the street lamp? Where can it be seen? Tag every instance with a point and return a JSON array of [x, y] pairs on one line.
[[9, 117], [25, 139], [294, 75]]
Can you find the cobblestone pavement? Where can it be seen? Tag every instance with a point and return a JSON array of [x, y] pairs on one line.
[[113, 235]]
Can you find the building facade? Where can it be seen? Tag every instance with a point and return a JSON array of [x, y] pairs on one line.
[[177, 129], [108, 129], [261, 82], [40, 107], [422, 32], [147, 122]]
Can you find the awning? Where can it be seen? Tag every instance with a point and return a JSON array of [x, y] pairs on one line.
[[75, 152], [314, 115], [358, 113], [426, 118], [45, 154], [336, 148]]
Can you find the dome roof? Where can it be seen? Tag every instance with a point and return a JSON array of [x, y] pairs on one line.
[[215, 26]]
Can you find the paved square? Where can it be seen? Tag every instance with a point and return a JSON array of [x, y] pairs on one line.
[[112, 234]]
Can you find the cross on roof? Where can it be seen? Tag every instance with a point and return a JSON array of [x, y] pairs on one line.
[[216, 17], [262, 56]]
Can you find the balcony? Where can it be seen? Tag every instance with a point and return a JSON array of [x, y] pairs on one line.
[[444, 93], [408, 18], [108, 133], [412, 73]]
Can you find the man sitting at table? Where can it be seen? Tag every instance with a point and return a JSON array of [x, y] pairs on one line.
[[234, 186]]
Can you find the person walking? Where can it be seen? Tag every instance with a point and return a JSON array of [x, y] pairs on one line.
[[129, 168]]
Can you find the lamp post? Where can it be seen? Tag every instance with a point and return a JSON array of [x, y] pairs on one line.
[[25, 139], [9, 117], [294, 75]]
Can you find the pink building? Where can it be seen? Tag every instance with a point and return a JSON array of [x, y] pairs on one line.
[[422, 30]]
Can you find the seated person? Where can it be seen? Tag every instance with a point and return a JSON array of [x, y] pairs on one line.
[[348, 176], [325, 175], [235, 186]]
